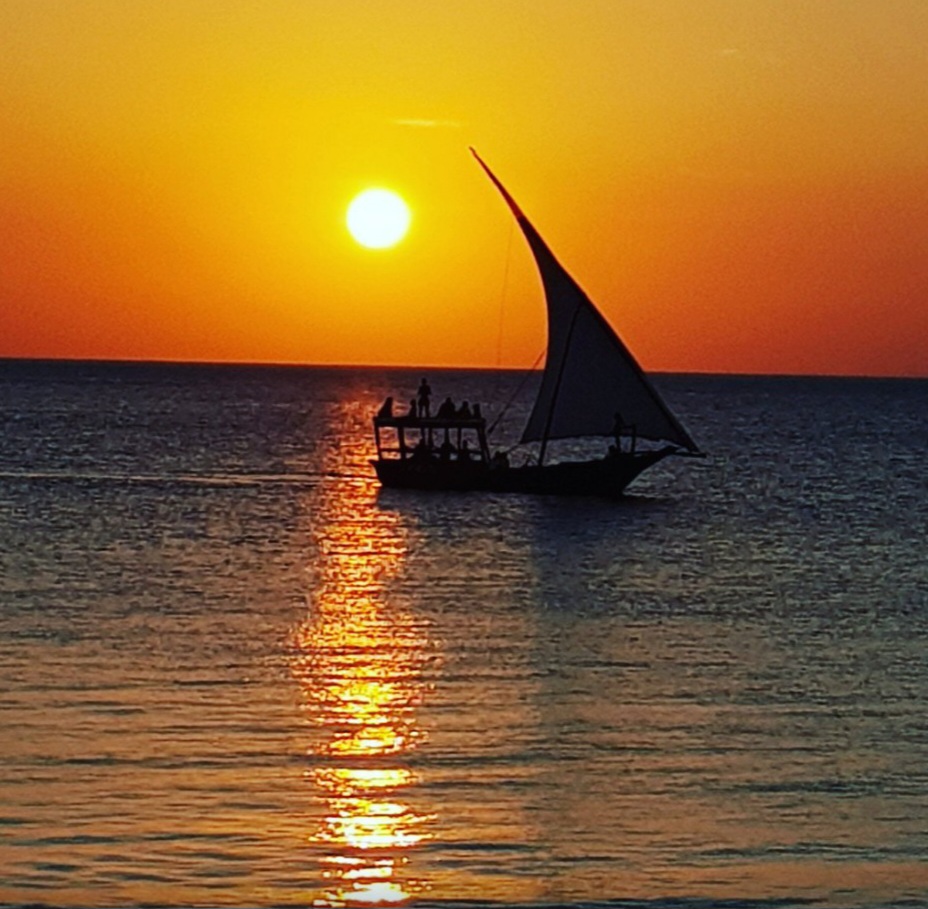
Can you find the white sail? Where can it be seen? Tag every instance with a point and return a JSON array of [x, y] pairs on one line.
[[590, 377]]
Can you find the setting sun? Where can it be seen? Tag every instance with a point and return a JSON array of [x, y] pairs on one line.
[[378, 218]]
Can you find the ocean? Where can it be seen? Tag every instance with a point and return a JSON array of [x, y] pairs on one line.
[[236, 672]]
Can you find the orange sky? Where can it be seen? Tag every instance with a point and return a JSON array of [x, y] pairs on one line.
[[740, 185]]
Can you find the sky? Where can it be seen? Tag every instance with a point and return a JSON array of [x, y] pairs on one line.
[[740, 185]]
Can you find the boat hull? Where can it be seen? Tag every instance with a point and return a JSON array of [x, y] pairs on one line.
[[607, 476]]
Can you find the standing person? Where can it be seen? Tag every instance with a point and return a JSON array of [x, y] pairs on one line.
[[425, 392]]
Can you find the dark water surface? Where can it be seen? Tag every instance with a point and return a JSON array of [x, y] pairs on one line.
[[235, 672]]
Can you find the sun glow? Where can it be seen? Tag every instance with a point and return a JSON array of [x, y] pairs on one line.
[[378, 218]]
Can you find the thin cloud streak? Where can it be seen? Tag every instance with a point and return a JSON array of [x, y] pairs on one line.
[[428, 124]]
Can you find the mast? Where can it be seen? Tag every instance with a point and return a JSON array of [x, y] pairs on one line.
[[554, 396]]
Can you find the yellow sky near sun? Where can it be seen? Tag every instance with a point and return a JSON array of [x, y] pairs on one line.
[[740, 185]]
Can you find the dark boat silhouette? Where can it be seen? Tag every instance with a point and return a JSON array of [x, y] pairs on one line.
[[591, 386]]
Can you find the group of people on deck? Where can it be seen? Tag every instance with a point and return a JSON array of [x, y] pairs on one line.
[[461, 419], [447, 451], [420, 406]]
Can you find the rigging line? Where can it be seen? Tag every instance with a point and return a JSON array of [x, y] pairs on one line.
[[517, 392], [502, 297]]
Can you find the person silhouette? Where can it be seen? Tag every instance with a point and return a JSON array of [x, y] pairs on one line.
[[619, 427], [424, 393], [422, 451]]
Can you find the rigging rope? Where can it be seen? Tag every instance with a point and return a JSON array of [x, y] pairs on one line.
[[516, 393], [502, 298]]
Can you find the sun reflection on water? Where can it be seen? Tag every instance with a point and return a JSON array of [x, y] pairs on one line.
[[358, 658]]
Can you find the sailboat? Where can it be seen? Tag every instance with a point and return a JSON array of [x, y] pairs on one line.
[[591, 386]]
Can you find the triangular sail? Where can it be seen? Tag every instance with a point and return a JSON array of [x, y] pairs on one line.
[[590, 376]]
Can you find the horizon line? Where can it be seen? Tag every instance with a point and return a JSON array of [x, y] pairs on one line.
[[289, 364]]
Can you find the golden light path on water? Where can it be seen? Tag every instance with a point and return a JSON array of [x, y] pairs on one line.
[[358, 662]]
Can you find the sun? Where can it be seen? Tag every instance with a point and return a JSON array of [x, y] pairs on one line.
[[378, 218]]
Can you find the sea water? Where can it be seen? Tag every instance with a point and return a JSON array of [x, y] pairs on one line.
[[236, 672]]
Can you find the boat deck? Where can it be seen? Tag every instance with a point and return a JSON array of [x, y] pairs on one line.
[[458, 438]]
